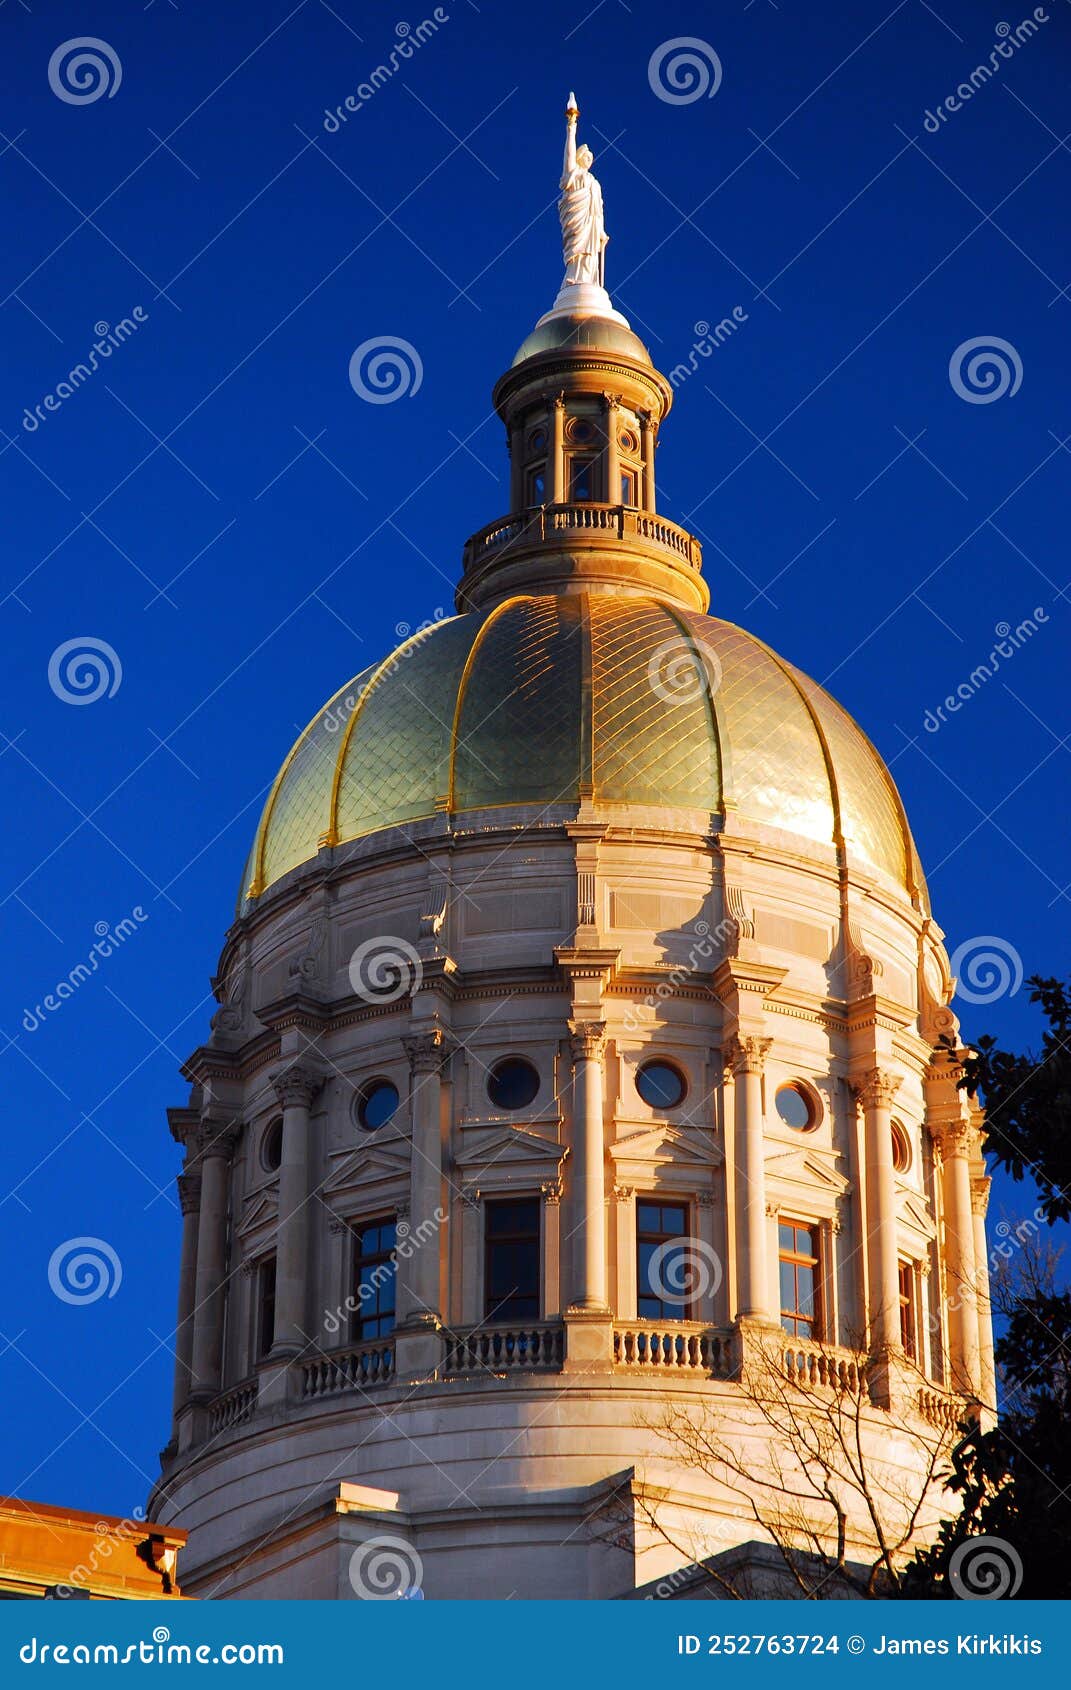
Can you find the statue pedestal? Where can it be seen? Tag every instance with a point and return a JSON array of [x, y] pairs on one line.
[[583, 299]]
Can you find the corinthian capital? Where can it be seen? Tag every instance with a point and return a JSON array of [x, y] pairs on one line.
[[216, 1137], [189, 1190], [876, 1089], [297, 1084], [747, 1055], [587, 1040], [950, 1138], [427, 1051]]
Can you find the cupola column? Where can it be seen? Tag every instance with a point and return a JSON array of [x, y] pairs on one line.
[[295, 1087], [189, 1188], [217, 1145], [517, 499], [647, 440], [954, 1141], [587, 1044], [557, 450], [746, 1056], [875, 1091], [419, 1290], [612, 456], [987, 1380]]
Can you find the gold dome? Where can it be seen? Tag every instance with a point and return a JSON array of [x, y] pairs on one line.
[[573, 332], [548, 697]]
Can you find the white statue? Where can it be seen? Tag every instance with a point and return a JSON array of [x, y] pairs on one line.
[[584, 234]]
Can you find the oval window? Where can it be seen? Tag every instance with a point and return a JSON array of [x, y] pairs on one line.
[[512, 1083], [660, 1085], [271, 1147], [377, 1104], [796, 1108], [901, 1148]]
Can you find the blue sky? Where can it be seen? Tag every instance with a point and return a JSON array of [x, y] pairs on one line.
[[218, 506]]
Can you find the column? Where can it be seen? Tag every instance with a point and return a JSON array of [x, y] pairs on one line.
[[516, 468], [987, 1379], [551, 1191], [953, 1138], [557, 450], [747, 1057], [626, 1291], [612, 457], [648, 442], [587, 1044], [295, 1087], [875, 1092], [189, 1188], [419, 1273], [214, 1158], [710, 1282]]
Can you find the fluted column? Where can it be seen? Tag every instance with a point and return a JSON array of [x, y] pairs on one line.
[[189, 1187], [987, 1378], [214, 1160], [613, 457], [746, 1056], [419, 1288], [587, 1045], [875, 1091], [648, 441], [557, 450], [295, 1087], [953, 1139]]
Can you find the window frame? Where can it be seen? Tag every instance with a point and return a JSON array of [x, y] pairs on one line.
[[361, 1258], [907, 1289], [494, 1312], [796, 1258], [263, 1330], [644, 1292]]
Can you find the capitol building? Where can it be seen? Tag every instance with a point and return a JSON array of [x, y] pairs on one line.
[[583, 1080]]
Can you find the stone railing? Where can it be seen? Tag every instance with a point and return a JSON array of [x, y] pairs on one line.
[[233, 1406], [545, 522], [947, 1413], [672, 1347], [820, 1365], [353, 1369], [527, 1348]]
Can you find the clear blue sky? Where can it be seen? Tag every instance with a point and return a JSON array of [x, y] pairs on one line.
[[218, 505]]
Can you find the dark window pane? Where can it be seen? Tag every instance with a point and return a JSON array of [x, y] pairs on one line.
[[377, 1105], [513, 1083], [660, 1085], [512, 1260]]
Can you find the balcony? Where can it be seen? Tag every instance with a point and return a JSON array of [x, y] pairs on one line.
[[528, 1348], [353, 1369], [673, 1349]]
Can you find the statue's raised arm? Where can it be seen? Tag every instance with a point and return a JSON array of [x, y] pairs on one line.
[[580, 209]]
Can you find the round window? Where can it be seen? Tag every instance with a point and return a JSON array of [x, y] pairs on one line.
[[660, 1085], [901, 1148], [271, 1147], [512, 1083], [377, 1104], [796, 1108]]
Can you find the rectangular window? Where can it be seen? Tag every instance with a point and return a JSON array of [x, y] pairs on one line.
[[374, 1271], [537, 486], [660, 1270], [581, 478], [800, 1280], [907, 1310], [628, 487], [511, 1260], [265, 1306]]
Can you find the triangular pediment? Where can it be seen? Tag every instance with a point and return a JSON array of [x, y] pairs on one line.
[[260, 1210], [665, 1143], [810, 1167], [507, 1146], [913, 1211], [370, 1164]]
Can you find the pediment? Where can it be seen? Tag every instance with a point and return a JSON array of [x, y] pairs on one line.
[[507, 1146], [371, 1164], [913, 1211], [260, 1210], [812, 1167], [652, 1146]]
